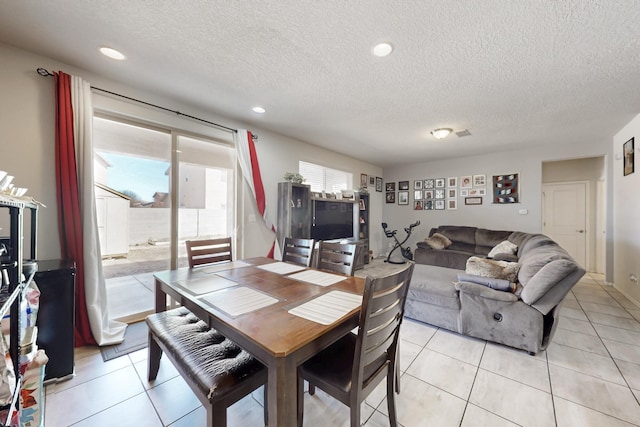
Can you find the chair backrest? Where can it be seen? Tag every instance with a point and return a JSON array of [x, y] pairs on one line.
[[298, 251], [379, 328], [337, 257], [208, 251]]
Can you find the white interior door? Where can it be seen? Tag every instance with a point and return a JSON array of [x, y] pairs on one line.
[[565, 217]]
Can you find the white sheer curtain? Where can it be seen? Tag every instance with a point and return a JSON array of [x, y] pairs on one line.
[[104, 330]]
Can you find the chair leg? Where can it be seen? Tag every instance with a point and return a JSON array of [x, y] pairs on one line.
[[153, 361], [217, 416], [355, 414], [300, 400], [397, 376], [312, 389], [391, 399], [266, 405]]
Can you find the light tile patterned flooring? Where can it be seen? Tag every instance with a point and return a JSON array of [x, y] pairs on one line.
[[589, 376]]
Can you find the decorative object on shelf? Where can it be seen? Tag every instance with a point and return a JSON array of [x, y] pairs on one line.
[[363, 190], [363, 180], [505, 189], [628, 152], [466, 182], [293, 177], [473, 200], [390, 186], [363, 205], [390, 197], [378, 184], [479, 180], [452, 182], [406, 251], [403, 185], [403, 197]]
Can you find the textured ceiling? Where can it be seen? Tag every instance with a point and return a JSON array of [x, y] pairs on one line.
[[514, 73]]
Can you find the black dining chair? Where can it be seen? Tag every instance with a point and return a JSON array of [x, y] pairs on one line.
[[351, 368], [208, 251], [337, 257], [298, 251]]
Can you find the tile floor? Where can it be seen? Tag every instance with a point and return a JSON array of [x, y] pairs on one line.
[[589, 376]]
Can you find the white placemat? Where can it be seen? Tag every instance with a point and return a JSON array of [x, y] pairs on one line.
[[281, 267], [318, 277], [239, 300], [328, 308], [223, 266], [205, 285]]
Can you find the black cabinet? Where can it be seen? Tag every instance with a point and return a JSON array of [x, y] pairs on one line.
[[56, 280]]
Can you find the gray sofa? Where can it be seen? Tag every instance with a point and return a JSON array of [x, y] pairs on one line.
[[526, 319]]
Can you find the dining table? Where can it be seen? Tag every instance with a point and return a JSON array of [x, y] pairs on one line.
[[281, 313]]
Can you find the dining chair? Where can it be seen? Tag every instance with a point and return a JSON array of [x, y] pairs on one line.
[[298, 251], [208, 251], [351, 368], [337, 257]]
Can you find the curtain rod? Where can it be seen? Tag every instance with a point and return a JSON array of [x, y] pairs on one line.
[[46, 73]]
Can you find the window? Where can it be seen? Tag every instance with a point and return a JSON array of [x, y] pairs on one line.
[[321, 178]]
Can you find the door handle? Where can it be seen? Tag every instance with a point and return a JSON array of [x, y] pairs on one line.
[[580, 231]]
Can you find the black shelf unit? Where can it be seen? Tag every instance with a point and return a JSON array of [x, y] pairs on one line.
[[11, 293]]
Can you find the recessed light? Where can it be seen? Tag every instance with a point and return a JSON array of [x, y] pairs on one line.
[[441, 133], [258, 110], [382, 49], [112, 53]]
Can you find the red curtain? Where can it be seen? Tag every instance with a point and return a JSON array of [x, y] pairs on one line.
[[69, 218]]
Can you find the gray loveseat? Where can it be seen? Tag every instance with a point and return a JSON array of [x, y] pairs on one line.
[[525, 319]]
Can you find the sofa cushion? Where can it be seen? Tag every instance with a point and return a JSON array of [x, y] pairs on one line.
[[462, 247], [492, 268], [531, 262], [546, 278], [461, 234], [490, 238], [438, 241], [504, 247], [434, 285]]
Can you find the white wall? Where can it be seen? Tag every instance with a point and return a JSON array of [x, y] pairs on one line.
[[27, 114], [626, 227], [528, 164]]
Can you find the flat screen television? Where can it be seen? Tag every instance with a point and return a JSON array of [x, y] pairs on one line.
[[332, 220]]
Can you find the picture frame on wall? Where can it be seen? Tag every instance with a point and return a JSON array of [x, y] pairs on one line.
[[428, 194], [439, 205], [452, 182], [403, 185], [390, 197], [479, 180], [506, 189], [378, 184], [372, 180], [439, 194], [417, 195], [464, 193], [428, 205], [403, 197], [363, 180], [429, 184], [452, 204], [628, 153], [473, 200], [440, 182], [417, 185], [452, 193], [466, 181], [390, 186], [417, 205]]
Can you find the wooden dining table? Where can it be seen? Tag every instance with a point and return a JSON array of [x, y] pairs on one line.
[[277, 338]]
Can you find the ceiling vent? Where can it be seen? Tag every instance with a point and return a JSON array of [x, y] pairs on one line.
[[463, 132]]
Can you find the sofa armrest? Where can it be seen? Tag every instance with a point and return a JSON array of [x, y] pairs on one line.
[[485, 292]]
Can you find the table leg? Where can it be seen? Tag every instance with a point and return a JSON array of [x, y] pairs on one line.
[[160, 297], [282, 393]]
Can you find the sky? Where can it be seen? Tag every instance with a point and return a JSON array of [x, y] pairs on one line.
[[144, 177]]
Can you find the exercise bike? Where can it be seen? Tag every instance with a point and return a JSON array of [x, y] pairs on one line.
[[406, 252]]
